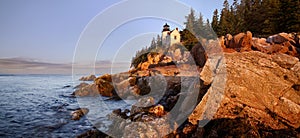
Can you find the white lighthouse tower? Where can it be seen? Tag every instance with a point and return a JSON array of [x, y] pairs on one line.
[[168, 37], [165, 35]]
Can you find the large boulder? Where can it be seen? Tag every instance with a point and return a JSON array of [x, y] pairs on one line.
[[84, 89], [261, 44], [81, 85], [261, 93], [286, 47], [105, 77], [104, 85], [240, 42], [279, 38], [94, 133], [227, 39], [145, 120], [88, 78], [199, 55], [142, 105], [77, 114], [125, 88], [157, 111], [155, 128]]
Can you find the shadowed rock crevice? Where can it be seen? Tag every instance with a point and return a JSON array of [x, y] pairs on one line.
[[241, 127], [296, 87]]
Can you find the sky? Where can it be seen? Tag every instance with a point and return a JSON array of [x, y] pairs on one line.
[[66, 31]]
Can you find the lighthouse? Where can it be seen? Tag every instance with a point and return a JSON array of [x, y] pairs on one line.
[[168, 37]]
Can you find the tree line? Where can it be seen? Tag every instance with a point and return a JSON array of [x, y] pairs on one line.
[[261, 17]]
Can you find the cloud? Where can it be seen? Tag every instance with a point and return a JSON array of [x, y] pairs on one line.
[[29, 66]]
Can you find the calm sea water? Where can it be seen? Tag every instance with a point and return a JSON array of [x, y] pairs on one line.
[[40, 106]]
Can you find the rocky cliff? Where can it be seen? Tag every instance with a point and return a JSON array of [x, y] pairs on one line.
[[261, 97], [252, 90]]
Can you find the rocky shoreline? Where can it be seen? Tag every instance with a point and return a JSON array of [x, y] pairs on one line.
[[250, 90]]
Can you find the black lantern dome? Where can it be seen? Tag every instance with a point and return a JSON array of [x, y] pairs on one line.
[[166, 27]]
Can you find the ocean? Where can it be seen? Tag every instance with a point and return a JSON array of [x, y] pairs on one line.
[[41, 106]]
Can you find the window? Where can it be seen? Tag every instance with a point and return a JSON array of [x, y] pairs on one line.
[[175, 37]]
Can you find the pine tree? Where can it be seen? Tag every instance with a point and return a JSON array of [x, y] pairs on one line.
[[224, 19], [158, 41], [269, 14], [209, 33], [245, 11], [238, 17], [199, 27], [153, 44], [231, 19], [261, 17], [289, 14], [215, 22], [191, 22]]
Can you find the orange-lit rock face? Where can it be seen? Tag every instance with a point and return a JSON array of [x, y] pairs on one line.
[[157, 110], [259, 86]]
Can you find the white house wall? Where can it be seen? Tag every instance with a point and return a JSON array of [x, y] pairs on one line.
[[175, 37]]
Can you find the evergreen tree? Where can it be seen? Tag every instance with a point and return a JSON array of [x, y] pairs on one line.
[[158, 41], [215, 22], [231, 19], [153, 44], [225, 26], [261, 17], [199, 28], [238, 17], [289, 15], [245, 9], [191, 22], [254, 17], [209, 33], [269, 10]]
